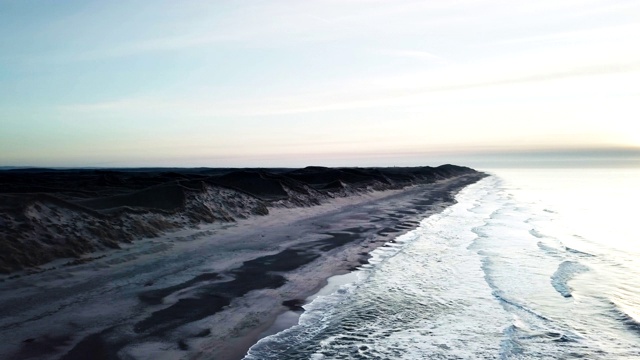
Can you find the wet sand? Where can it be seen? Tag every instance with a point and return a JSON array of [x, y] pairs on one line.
[[206, 293]]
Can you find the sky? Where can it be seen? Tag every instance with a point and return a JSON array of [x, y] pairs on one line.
[[317, 82]]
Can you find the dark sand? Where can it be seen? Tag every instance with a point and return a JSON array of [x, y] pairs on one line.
[[207, 292]]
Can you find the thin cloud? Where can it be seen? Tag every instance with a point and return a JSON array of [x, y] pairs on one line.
[[275, 25], [359, 95], [604, 33], [413, 54], [585, 71]]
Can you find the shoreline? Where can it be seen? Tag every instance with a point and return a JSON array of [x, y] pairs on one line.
[[291, 317], [243, 344], [238, 275]]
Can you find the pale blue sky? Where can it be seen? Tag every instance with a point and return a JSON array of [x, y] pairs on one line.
[[293, 83]]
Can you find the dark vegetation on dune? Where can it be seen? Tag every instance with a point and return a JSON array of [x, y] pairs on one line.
[[46, 214]]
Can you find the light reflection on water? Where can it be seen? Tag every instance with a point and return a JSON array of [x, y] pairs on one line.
[[597, 203], [594, 213]]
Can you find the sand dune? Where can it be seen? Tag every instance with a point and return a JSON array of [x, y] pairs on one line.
[[51, 214]]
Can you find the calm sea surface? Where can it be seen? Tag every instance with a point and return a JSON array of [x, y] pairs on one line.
[[529, 264]]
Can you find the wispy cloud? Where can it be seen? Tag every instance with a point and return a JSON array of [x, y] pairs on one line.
[[413, 54], [609, 33], [272, 24], [347, 94]]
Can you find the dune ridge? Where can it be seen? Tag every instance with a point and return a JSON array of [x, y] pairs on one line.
[[48, 214]]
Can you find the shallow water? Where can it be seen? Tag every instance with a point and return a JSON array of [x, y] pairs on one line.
[[528, 264]]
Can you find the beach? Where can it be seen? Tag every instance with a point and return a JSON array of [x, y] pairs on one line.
[[211, 290]]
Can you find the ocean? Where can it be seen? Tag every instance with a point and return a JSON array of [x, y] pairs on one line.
[[528, 264]]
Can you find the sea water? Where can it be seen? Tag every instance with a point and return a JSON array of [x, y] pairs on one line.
[[528, 264]]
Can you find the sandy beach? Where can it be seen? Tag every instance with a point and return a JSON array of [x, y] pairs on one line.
[[204, 292]]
